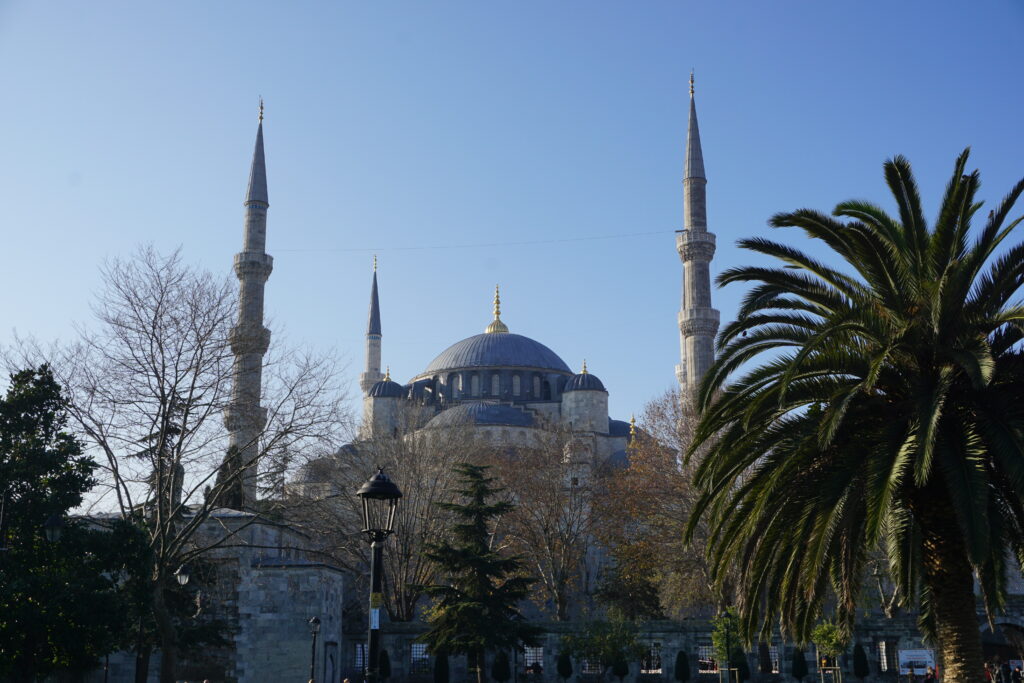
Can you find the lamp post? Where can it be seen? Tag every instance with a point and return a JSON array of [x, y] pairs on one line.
[[314, 628], [182, 574], [53, 527], [380, 500]]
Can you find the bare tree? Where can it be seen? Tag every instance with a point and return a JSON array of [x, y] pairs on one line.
[[647, 506], [421, 462], [552, 485], [149, 381]]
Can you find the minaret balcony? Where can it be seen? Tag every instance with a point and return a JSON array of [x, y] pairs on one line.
[[695, 245], [699, 322], [249, 338], [253, 265]]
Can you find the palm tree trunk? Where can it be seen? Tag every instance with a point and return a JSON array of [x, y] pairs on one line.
[[950, 578]]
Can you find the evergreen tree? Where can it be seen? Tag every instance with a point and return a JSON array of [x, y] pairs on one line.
[[860, 662], [682, 668], [477, 608], [383, 665], [799, 664], [564, 666], [441, 674], [501, 670], [60, 607]]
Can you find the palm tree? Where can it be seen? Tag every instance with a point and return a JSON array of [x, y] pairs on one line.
[[879, 406]]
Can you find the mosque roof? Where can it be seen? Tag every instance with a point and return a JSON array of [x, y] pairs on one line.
[[387, 388], [497, 350], [618, 427], [584, 381], [481, 413]]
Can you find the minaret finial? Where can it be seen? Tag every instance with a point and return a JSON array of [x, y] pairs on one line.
[[261, 109], [496, 326], [632, 427], [584, 370], [387, 375], [691, 82], [375, 263]]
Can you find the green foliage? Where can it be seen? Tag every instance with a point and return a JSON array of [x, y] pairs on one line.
[[564, 665], [383, 665], [798, 665], [725, 634], [830, 639], [60, 607], [860, 662], [441, 673], [477, 608], [604, 642], [636, 597], [501, 670], [682, 668], [875, 404]]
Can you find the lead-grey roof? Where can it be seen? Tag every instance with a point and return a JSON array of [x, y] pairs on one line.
[[374, 325], [386, 388], [481, 413], [694, 156], [583, 382], [258, 173], [497, 350]]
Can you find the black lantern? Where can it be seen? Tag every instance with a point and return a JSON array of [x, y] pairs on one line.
[[53, 527], [182, 574], [380, 501], [314, 628]]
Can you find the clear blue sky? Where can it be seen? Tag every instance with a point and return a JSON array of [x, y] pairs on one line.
[[394, 125]]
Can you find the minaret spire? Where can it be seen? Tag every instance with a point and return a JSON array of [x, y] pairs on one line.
[[249, 339], [698, 321], [371, 375]]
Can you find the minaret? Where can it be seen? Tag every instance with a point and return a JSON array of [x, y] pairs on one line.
[[372, 373], [698, 321], [249, 339]]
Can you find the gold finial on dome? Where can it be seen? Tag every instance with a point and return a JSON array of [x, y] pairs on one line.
[[496, 326], [632, 427], [584, 370], [387, 375]]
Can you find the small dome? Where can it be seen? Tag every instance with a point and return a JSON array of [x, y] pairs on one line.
[[583, 382], [618, 427], [387, 388], [481, 413]]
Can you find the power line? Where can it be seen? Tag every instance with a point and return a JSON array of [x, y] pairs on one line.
[[478, 245]]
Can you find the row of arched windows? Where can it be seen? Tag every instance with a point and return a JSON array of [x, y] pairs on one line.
[[537, 386]]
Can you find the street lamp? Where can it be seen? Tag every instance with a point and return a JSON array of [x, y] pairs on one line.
[[314, 628], [380, 500], [182, 574], [53, 527]]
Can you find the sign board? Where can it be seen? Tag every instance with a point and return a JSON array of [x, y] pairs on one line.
[[375, 618], [915, 661]]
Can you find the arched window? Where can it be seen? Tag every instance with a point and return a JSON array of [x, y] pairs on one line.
[[547, 391], [474, 384], [536, 386], [495, 384], [516, 389], [454, 385]]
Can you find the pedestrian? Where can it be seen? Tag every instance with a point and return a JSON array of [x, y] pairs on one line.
[[988, 673], [1005, 673], [1015, 677], [929, 675]]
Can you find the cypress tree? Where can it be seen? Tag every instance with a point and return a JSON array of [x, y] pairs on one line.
[[383, 665], [564, 665], [501, 671], [799, 670], [682, 668], [860, 662], [441, 674], [477, 607]]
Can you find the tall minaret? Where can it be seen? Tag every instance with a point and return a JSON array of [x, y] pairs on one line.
[[245, 418], [372, 374], [698, 321]]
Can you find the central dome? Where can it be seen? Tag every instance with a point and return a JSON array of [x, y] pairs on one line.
[[497, 350]]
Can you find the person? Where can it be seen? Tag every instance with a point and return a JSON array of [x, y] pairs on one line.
[[988, 673], [1005, 673], [929, 675], [1015, 677]]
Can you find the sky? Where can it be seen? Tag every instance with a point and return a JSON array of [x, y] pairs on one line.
[[534, 144]]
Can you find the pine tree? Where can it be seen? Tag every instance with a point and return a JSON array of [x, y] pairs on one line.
[[501, 670], [477, 609]]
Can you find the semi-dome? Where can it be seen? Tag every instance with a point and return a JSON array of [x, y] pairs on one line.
[[584, 381], [497, 350], [481, 413]]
